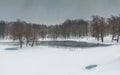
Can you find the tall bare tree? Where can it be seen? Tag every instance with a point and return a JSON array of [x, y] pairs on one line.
[[36, 31], [98, 27], [17, 32]]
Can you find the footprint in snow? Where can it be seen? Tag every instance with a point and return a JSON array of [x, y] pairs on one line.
[[90, 67]]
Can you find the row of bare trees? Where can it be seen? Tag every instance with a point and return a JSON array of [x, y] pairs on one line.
[[25, 33], [98, 27], [28, 34], [114, 23], [68, 29], [102, 27]]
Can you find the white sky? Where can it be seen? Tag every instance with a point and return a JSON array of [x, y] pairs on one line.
[[56, 11]]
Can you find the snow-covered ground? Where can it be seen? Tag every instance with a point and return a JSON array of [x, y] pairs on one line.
[[43, 60]]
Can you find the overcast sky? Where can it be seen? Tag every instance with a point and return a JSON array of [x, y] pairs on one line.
[[56, 11]]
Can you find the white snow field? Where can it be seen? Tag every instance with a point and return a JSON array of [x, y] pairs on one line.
[[44, 60]]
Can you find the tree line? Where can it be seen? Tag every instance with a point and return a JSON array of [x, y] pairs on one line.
[[29, 33]]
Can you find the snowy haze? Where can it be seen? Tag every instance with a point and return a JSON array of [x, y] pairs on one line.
[[56, 11]]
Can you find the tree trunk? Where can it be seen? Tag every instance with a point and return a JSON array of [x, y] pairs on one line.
[[118, 37], [113, 37], [33, 42], [102, 40], [20, 43]]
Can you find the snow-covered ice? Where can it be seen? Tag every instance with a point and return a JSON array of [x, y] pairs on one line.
[[43, 60]]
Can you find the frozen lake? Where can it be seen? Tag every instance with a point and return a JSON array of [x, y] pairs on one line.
[[67, 43], [71, 44]]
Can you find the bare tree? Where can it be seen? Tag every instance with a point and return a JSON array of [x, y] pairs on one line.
[[115, 27], [98, 27], [28, 33], [17, 32], [35, 33], [95, 27]]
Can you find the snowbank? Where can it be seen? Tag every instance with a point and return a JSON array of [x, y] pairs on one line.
[[42, 60]]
